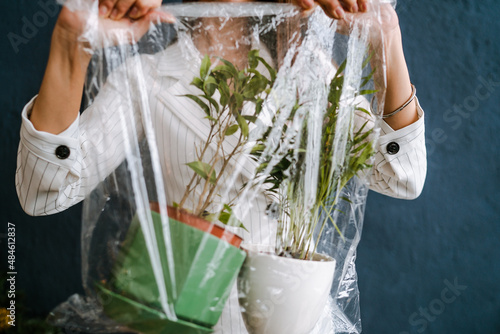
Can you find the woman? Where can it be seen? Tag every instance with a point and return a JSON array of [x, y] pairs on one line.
[[56, 107], [53, 168]]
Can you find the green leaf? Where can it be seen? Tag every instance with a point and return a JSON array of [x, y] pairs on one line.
[[202, 104], [258, 106], [272, 71], [359, 138], [344, 198], [211, 119], [341, 69], [367, 91], [230, 68], [197, 82], [226, 217], [243, 125], [360, 147], [242, 77], [256, 86], [367, 60], [253, 61], [257, 148], [203, 169], [209, 86], [364, 110], [367, 78], [251, 119], [236, 103], [212, 102], [222, 72], [224, 93], [205, 67], [360, 131], [231, 130]]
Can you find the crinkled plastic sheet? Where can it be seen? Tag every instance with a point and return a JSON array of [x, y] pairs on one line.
[[145, 130]]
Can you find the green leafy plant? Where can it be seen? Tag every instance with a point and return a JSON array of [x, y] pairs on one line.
[[286, 179], [225, 90]]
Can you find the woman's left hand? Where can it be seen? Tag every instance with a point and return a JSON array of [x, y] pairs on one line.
[[335, 8]]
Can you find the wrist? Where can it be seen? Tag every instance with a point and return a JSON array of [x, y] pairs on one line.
[[59, 98], [67, 53], [399, 101]]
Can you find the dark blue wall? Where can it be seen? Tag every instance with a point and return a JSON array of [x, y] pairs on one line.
[[426, 266], [411, 251]]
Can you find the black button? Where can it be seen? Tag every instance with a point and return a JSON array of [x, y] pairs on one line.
[[62, 152], [392, 148]]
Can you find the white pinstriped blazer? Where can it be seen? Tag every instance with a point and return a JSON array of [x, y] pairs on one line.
[[47, 184]]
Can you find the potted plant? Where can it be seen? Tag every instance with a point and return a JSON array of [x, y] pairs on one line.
[[226, 90], [206, 257], [285, 290]]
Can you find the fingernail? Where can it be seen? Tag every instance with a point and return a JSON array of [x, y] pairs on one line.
[[103, 10], [169, 18], [354, 8], [309, 3], [134, 12], [114, 13], [362, 7], [339, 13]]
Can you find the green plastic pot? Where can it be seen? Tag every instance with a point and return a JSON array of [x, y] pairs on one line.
[[145, 319], [206, 268]]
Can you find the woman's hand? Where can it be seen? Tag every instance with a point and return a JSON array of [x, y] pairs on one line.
[[387, 24], [387, 35], [134, 9], [71, 25], [335, 8]]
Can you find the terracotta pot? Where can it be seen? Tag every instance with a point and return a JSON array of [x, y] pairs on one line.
[[200, 223]]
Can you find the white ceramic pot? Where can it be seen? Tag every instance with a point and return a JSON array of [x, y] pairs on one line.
[[281, 295]]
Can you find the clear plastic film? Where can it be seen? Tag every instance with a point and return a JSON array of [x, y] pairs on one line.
[[226, 158]]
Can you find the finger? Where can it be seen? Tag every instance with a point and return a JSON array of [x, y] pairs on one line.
[[138, 11], [350, 5], [160, 16], [121, 8], [142, 7], [105, 7], [140, 27], [332, 8], [363, 5], [305, 4]]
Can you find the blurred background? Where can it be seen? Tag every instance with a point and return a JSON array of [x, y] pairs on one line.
[[431, 265]]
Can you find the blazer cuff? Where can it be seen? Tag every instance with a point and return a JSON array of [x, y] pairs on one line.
[[60, 149], [394, 143]]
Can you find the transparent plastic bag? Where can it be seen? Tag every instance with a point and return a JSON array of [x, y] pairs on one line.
[[244, 123]]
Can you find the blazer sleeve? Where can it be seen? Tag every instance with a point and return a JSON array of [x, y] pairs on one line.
[[55, 172], [400, 164]]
